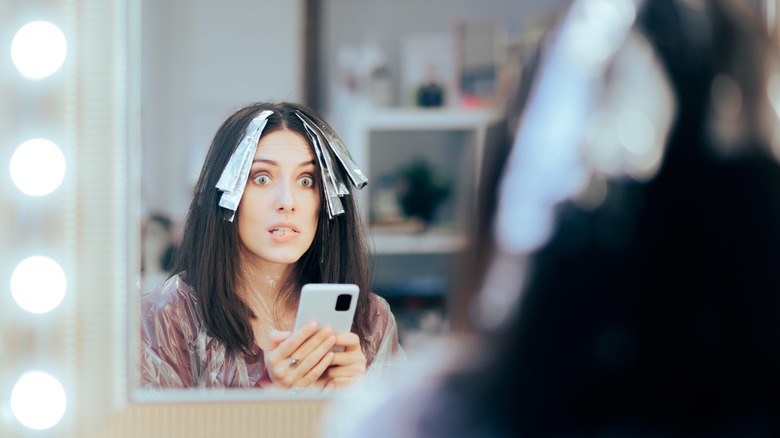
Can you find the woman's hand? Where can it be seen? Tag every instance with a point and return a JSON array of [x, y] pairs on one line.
[[348, 366], [297, 360]]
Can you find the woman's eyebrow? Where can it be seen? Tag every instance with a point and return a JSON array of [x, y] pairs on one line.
[[266, 161], [276, 164]]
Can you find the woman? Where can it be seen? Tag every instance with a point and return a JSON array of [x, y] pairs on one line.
[[271, 212]]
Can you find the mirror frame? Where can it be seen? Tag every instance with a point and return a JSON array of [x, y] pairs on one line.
[[107, 128]]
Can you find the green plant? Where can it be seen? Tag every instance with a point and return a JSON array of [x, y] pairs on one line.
[[423, 189]]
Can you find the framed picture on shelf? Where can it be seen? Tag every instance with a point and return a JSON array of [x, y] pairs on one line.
[[479, 47], [428, 70]]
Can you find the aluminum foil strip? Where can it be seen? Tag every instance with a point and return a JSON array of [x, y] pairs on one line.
[[335, 207], [337, 147], [233, 179]]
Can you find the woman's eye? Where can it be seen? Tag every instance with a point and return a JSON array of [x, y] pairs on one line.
[[262, 180], [306, 181]]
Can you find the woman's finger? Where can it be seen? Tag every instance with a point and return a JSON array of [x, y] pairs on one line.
[[315, 372], [290, 369], [277, 337], [350, 341], [349, 357], [352, 354], [350, 371], [289, 345], [314, 343], [312, 352], [340, 382]]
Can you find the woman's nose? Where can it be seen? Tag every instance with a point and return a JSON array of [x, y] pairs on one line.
[[285, 200]]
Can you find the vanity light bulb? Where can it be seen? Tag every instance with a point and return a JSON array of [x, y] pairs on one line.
[[37, 167], [38, 49], [38, 284], [38, 400]]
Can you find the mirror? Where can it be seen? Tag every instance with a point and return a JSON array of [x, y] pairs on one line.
[[349, 60]]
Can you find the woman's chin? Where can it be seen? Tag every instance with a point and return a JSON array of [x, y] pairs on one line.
[[285, 258]]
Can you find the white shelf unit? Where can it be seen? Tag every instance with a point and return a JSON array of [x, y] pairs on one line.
[[452, 138], [412, 269], [431, 242]]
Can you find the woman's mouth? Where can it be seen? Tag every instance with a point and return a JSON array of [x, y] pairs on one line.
[[281, 231]]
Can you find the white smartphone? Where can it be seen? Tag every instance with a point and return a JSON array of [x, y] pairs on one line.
[[329, 304]]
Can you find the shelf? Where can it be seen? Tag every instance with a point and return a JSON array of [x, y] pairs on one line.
[[425, 118], [430, 242], [429, 287], [414, 266]]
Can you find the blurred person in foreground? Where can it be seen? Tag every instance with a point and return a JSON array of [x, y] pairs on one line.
[[628, 263]]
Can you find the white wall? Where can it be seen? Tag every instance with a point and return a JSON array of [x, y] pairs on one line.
[[203, 59]]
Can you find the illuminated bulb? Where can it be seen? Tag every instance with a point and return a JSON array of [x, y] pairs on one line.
[[38, 400], [37, 167], [38, 49], [38, 284]]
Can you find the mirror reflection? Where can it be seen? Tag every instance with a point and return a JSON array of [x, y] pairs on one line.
[[413, 98], [272, 213]]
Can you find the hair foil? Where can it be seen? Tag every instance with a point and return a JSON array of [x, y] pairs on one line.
[[330, 153], [335, 207], [233, 179], [336, 146]]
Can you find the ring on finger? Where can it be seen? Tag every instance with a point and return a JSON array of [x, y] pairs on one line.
[[294, 361]]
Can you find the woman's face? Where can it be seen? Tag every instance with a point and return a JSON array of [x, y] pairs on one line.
[[277, 217]]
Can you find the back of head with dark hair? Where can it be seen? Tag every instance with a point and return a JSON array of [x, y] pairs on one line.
[[658, 312]]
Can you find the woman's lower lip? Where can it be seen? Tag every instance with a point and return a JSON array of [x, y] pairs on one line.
[[282, 238]]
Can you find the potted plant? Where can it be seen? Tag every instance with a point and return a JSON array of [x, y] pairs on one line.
[[422, 190]]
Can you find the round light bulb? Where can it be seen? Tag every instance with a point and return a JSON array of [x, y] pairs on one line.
[[38, 284], [37, 167], [38, 400], [38, 49]]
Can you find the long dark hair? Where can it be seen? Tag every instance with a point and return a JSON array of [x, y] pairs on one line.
[[209, 256], [656, 313]]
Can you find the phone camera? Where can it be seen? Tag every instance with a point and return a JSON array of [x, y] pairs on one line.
[[342, 302]]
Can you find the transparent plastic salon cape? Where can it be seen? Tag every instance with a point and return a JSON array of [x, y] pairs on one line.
[[178, 352]]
